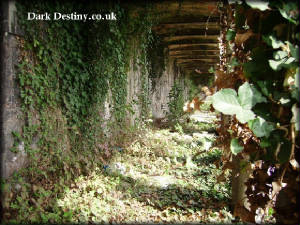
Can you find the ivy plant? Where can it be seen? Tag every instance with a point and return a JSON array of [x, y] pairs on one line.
[[229, 102]]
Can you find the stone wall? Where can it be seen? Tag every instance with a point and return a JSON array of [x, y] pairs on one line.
[[134, 89], [161, 87], [11, 115], [12, 119]]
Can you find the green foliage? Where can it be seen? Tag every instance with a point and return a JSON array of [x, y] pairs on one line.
[[288, 10], [152, 169], [271, 92], [257, 68], [212, 70], [227, 101], [230, 35], [67, 71], [178, 128], [260, 127], [261, 5], [249, 96], [176, 102], [235, 147], [283, 58], [272, 39], [192, 88]]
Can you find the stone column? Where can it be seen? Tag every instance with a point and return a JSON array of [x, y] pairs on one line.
[[11, 118]]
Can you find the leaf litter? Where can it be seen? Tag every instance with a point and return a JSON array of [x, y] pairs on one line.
[[162, 180]]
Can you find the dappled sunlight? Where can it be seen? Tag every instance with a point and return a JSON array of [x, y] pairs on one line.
[[154, 112], [159, 177]]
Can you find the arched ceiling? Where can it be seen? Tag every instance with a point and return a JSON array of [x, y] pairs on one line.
[[189, 29]]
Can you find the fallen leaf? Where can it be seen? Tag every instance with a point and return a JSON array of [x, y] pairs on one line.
[[221, 177], [243, 213]]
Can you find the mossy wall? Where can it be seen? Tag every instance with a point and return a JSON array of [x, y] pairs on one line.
[[80, 85]]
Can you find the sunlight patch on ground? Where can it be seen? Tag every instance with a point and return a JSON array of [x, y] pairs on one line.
[[158, 178]]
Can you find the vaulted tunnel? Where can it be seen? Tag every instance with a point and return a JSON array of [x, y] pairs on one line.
[[52, 118], [110, 118], [189, 32]]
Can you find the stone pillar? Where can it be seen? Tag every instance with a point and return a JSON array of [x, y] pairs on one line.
[[11, 118]]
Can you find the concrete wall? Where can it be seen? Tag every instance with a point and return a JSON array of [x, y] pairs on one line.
[[11, 115], [134, 89], [160, 92]]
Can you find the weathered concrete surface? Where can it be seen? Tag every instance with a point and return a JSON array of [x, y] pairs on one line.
[[134, 90], [11, 115], [159, 95]]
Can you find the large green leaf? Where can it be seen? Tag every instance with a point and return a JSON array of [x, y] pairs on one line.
[[249, 96], [235, 147], [244, 115], [272, 41], [290, 11], [294, 49], [227, 102], [276, 65], [280, 55], [260, 127], [261, 5]]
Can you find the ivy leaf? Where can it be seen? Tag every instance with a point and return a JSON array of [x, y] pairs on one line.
[[294, 50], [280, 55], [235, 147], [244, 115], [264, 143], [226, 101], [230, 35], [276, 65], [211, 70], [260, 127], [296, 117], [290, 11], [249, 96], [261, 5], [265, 87], [234, 62], [272, 41]]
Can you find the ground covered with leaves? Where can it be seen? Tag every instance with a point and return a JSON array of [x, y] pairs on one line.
[[160, 177], [169, 175]]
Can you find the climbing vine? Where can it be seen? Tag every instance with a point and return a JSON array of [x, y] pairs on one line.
[[259, 90], [176, 102], [69, 72]]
